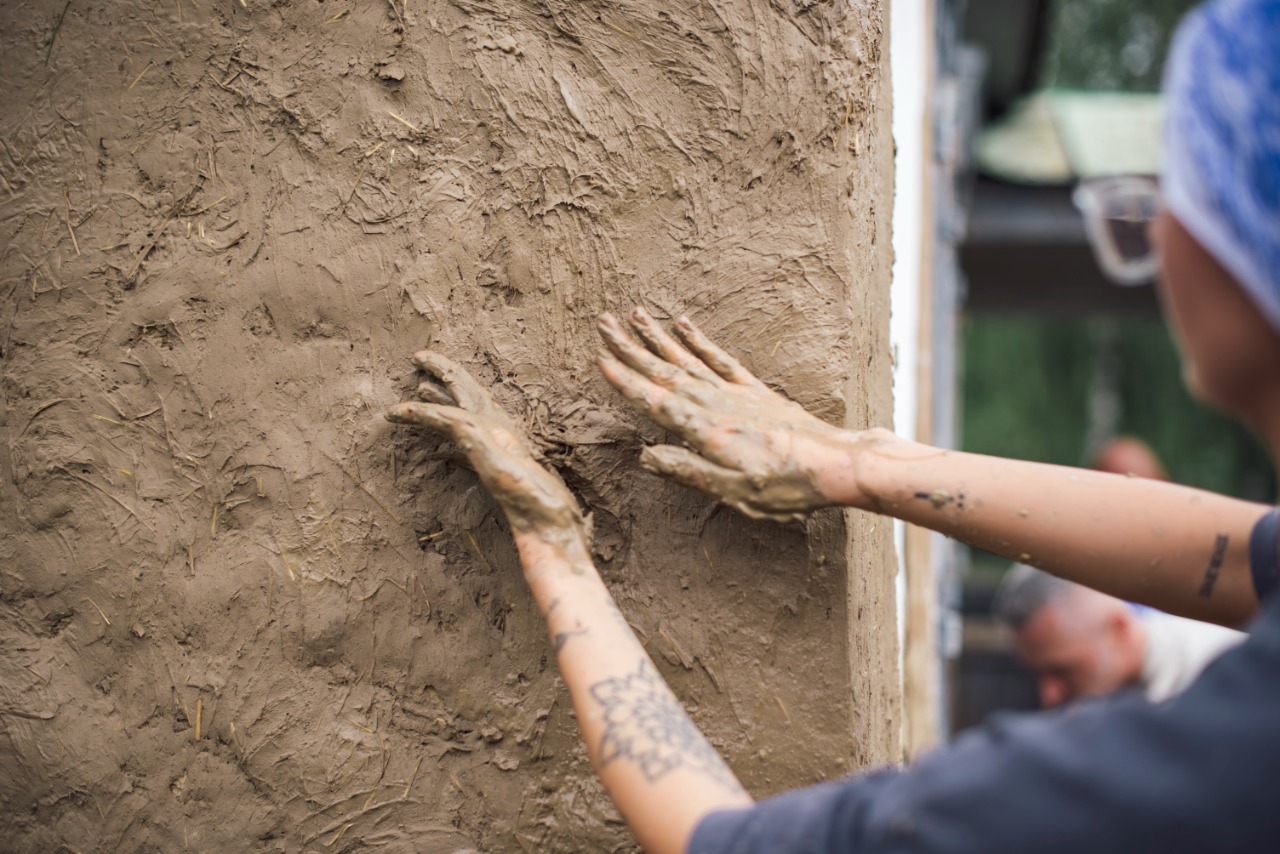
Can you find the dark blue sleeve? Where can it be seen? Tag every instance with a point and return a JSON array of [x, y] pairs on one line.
[[1196, 773], [1264, 554]]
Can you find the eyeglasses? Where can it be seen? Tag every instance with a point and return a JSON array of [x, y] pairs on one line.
[[1117, 211]]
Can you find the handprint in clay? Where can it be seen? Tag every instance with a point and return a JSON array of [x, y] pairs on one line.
[[749, 446], [535, 500]]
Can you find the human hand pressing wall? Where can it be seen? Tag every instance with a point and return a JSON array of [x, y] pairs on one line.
[[660, 771], [749, 446], [535, 501], [1181, 550]]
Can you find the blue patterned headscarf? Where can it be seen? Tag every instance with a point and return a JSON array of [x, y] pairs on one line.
[[1221, 174]]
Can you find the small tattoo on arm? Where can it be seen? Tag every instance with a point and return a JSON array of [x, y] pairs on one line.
[[644, 723], [562, 638], [1215, 565]]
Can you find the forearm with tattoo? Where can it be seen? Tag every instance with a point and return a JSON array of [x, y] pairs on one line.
[[662, 774], [645, 724]]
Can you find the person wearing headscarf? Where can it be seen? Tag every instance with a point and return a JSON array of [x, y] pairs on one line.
[[1191, 774]]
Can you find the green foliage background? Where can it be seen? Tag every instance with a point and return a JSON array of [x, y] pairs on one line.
[[1026, 394], [1109, 44]]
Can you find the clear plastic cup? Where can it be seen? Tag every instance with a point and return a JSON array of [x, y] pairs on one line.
[[1117, 211]]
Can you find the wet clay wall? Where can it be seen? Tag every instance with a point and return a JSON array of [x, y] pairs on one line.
[[238, 610]]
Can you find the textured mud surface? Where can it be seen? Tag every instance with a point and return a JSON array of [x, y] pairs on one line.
[[237, 608]]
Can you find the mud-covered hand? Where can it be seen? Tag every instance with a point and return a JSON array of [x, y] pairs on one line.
[[535, 500], [748, 445]]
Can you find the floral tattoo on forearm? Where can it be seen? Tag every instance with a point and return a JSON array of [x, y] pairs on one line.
[[645, 724]]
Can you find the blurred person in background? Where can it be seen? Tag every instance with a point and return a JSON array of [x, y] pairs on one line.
[[1130, 456], [1080, 643]]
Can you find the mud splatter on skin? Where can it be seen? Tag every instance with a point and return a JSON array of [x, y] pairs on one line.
[[940, 498], [272, 205]]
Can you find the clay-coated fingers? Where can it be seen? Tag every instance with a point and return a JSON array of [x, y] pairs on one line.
[[660, 341], [693, 470], [435, 416], [719, 361], [622, 345], [756, 513], [679, 415], [472, 438], [533, 497], [469, 394], [433, 393]]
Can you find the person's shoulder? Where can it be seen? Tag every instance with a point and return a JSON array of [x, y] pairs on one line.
[[1152, 617], [1167, 629]]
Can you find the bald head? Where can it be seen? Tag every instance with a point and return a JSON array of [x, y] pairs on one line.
[[1078, 642]]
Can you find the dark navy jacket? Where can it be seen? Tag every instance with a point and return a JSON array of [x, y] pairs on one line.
[[1197, 773]]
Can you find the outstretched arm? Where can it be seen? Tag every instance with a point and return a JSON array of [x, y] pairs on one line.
[[1179, 549], [660, 771]]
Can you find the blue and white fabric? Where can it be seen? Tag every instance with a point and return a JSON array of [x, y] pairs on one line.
[[1221, 172]]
